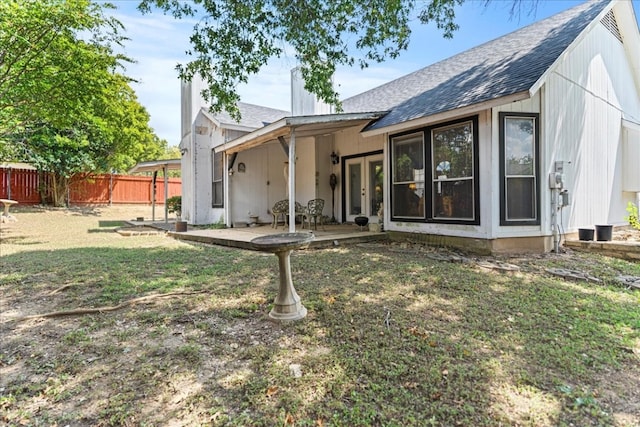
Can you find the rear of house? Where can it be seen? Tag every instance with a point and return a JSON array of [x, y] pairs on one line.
[[507, 146]]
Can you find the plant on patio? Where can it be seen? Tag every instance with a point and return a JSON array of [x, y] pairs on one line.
[[633, 218], [174, 204]]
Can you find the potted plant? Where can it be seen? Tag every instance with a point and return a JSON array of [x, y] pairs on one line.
[[174, 204]]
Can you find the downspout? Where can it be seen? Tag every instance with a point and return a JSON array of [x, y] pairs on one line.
[[292, 182], [554, 220]]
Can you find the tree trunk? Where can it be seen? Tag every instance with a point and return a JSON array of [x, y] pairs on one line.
[[58, 190]]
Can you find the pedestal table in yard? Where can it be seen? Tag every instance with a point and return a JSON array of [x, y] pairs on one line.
[[287, 305], [6, 216]]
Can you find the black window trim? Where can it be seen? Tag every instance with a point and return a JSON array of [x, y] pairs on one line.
[[426, 137], [536, 167]]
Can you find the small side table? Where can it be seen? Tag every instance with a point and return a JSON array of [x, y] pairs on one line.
[[287, 305], [6, 216]]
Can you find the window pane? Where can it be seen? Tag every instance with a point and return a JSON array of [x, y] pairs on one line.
[[408, 201], [453, 151], [453, 199], [521, 199], [519, 144], [217, 194], [375, 186], [217, 166], [408, 157], [355, 183], [408, 176]]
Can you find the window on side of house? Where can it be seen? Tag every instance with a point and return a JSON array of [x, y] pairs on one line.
[[217, 193], [519, 178], [407, 171], [454, 165]]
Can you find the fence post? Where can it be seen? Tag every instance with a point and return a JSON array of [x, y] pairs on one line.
[[9, 186], [111, 189]]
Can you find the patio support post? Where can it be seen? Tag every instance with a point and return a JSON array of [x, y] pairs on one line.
[[166, 194], [153, 195], [292, 182]]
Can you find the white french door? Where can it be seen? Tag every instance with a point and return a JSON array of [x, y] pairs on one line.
[[363, 187]]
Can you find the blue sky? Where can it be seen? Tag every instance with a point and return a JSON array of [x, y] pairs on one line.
[[159, 42]]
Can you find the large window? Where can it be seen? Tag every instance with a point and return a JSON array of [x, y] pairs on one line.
[[217, 193], [434, 174], [453, 172], [408, 176], [519, 185]]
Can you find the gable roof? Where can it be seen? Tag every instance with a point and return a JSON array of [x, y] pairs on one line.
[[505, 66], [252, 116]]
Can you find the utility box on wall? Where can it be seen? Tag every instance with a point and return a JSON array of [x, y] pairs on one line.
[[630, 157]]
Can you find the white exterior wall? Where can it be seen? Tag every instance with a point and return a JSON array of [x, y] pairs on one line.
[[323, 170], [585, 98], [263, 182], [206, 136], [259, 186], [191, 103], [531, 105], [303, 102]]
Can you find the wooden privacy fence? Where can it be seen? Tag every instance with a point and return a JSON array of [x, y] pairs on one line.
[[24, 186]]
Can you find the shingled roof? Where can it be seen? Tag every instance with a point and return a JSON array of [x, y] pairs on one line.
[[253, 116], [505, 66]]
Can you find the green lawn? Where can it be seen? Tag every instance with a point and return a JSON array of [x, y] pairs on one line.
[[393, 337]]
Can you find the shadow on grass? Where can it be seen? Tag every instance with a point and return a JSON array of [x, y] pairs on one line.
[[390, 339]]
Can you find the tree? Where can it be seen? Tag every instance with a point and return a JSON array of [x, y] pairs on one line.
[[111, 135], [54, 57], [233, 39], [63, 105]]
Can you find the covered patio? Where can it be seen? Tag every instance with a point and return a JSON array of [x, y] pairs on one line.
[[154, 167], [305, 143]]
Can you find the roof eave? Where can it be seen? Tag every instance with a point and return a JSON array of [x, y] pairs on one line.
[[446, 115], [284, 126]]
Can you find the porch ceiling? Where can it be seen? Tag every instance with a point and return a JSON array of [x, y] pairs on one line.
[[304, 126]]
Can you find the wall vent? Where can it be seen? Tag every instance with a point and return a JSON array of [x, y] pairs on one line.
[[609, 21]]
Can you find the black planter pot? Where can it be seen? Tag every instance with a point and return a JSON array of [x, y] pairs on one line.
[[604, 233], [361, 221], [181, 226], [585, 234]]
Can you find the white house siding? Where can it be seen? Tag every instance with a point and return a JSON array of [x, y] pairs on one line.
[[530, 105], [205, 136], [255, 189], [586, 96], [263, 182], [191, 105], [324, 168]]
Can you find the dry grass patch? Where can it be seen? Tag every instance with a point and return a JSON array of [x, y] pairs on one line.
[[391, 338]]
